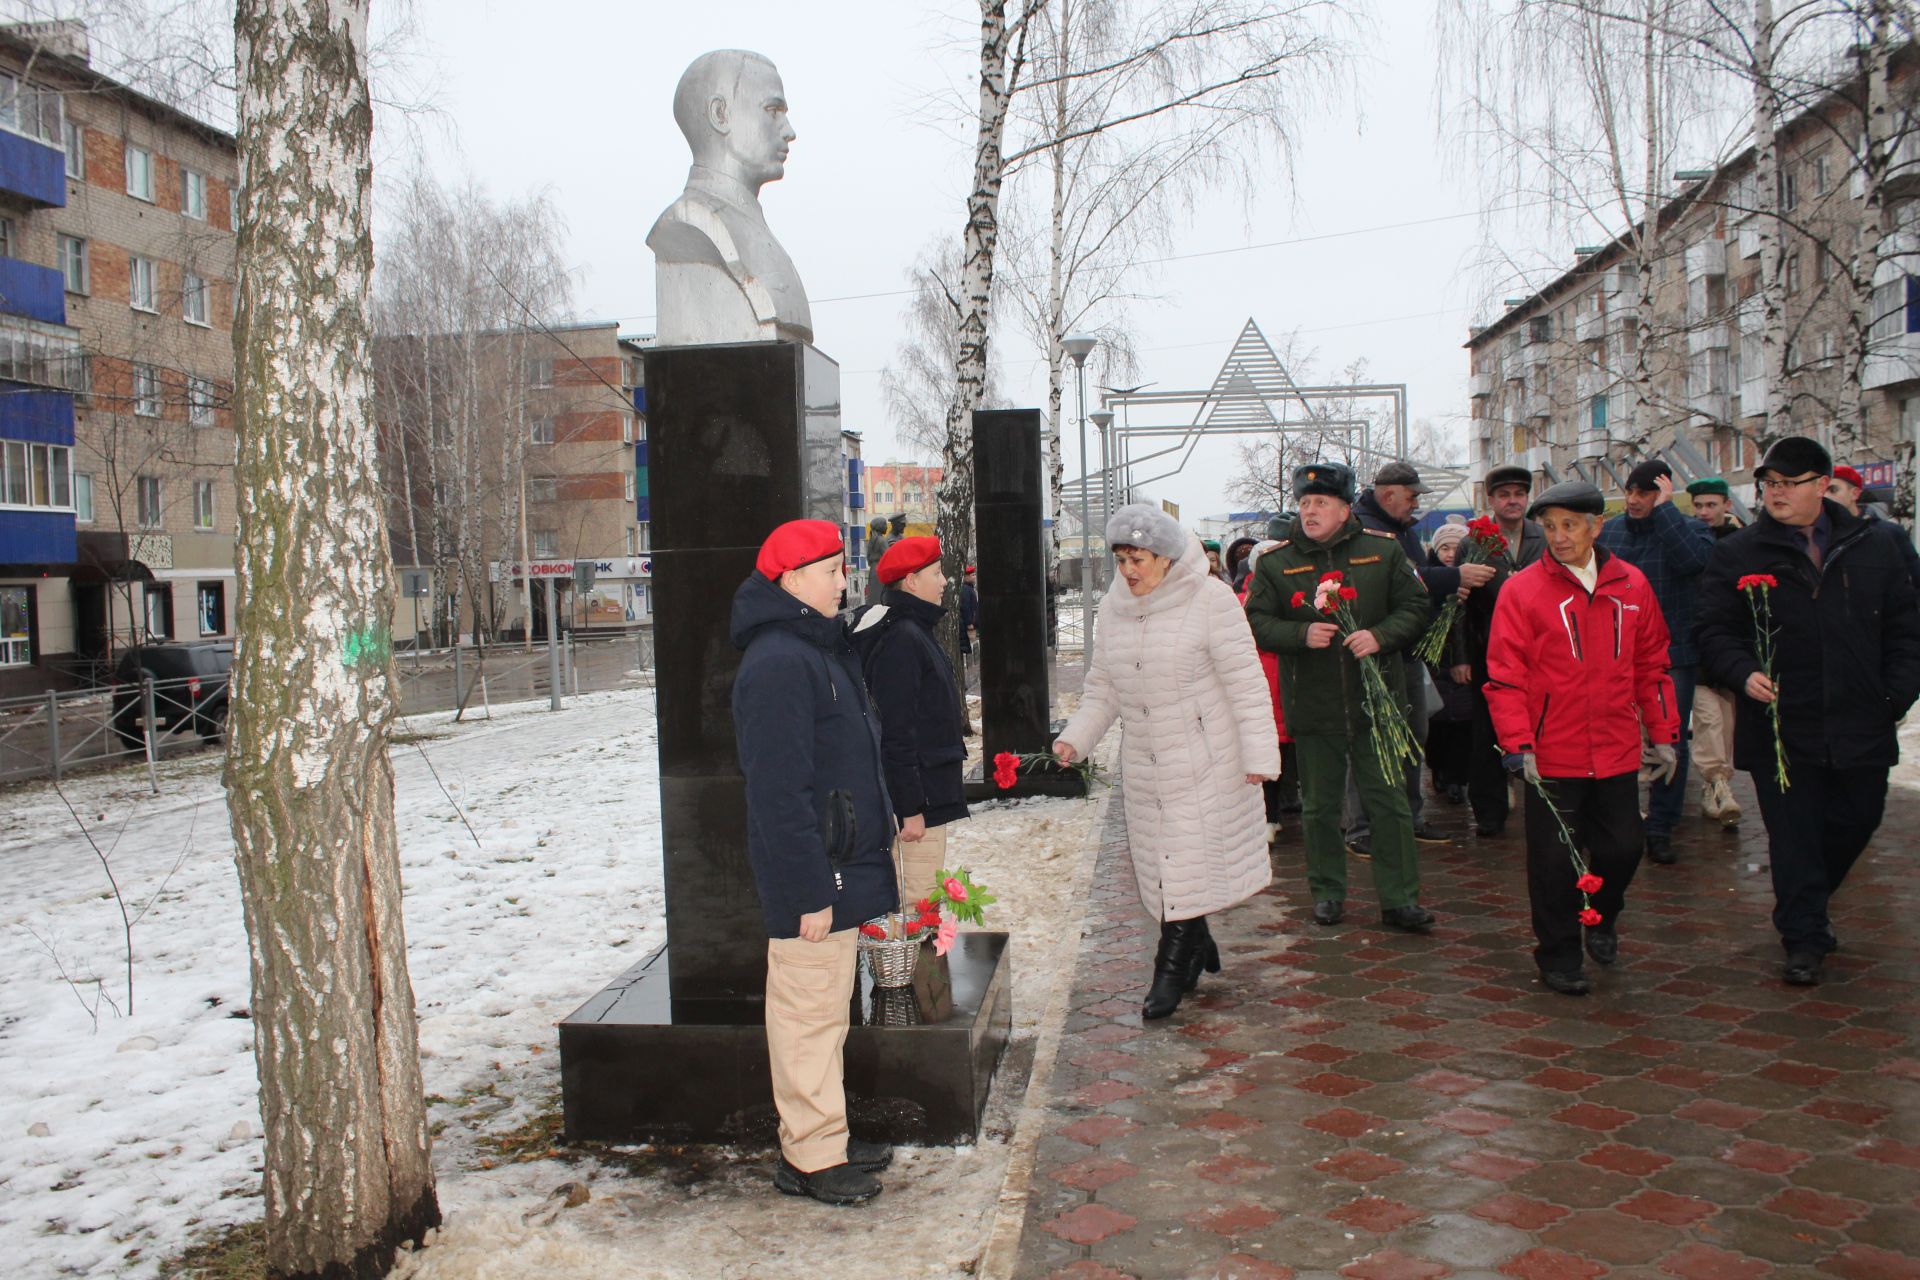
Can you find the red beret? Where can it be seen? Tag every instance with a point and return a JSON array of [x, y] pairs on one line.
[[909, 555], [1851, 476], [797, 543]]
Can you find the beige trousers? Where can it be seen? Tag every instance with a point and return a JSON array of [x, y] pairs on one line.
[[809, 996], [919, 863], [1713, 733]]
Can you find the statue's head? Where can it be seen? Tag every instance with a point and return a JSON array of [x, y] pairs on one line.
[[733, 109]]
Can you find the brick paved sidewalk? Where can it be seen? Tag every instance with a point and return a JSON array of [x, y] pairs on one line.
[[1357, 1102]]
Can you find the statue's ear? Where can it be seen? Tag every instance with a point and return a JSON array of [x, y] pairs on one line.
[[717, 114]]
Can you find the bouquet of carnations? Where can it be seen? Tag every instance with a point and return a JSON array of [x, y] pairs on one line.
[[1392, 738], [1007, 768], [1483, 542], [1757, 586]]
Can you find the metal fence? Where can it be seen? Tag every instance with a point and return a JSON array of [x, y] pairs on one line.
[[57, 733]]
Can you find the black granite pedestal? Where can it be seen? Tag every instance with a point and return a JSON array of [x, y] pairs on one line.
[[1010, 550], [742, 438]]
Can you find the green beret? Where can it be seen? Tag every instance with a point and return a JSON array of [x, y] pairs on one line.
[[1709, 484], [1210, 544]]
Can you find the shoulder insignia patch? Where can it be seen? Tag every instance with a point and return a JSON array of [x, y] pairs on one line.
[[1364, 560], [1305, 568], [1283, 542], [1381, 533]]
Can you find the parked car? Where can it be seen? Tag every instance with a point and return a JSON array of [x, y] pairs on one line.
[[189, 688]]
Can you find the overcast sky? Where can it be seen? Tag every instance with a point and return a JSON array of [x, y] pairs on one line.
[[573, 97]]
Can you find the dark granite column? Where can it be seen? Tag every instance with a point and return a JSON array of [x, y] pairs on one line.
[[1010, 543]]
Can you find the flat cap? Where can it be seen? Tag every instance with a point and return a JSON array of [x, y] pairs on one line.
[[1569, 495], [1334, 479], [1795, 456], [909, 555], [795, 544], [1400, 473], [1508, 475]]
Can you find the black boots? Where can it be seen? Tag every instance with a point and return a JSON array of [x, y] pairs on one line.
[[1186, 949]]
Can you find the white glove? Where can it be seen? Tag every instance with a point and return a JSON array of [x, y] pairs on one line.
[[1659, 762]]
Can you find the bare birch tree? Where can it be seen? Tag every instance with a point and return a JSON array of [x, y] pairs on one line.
[[348, 1174], [918, 383]]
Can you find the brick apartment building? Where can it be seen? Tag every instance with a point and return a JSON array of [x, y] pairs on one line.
[[1549, 387], [116, 366]]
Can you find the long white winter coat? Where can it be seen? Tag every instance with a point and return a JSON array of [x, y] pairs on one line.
[[1178, 669]]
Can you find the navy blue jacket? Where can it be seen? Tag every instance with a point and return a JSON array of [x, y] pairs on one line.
[[1846, 648], [969, 615], [819, 829], [1440, 580], [1672, 550], [922, 750]]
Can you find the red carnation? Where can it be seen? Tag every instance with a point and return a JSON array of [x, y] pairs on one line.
[[1589, 917], [915, 926], [929, 920], [1333, 575], [874, 931], [1753, 580], [923, 906], [1348, 593], [1006, 769], [1299, 599], [1588, 883]]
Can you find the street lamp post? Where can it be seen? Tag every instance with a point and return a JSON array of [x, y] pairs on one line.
[[1079, 347], [1102, 419]]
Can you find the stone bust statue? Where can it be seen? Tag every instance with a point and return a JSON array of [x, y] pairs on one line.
[[719, 274]]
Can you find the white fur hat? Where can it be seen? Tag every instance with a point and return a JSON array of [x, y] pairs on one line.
[[1143, 525]]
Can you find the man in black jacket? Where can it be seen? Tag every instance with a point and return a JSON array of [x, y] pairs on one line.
[[1846, 623], [819, 832], [1509, 489], [921, 747]]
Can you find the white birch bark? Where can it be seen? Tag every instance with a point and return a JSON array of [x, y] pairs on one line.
[[1766, 183]]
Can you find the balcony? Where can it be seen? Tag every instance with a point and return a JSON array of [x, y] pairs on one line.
[[1592, 382], [36, 537], [1590, 325], [1749, 246], [1480, 386], [1618, 280], [1513, 368], [1710, 408], [31, 170], [36, 292], [1538, 458], [1537, 404], [1713, 337], [1891, 361], [1485, 428], [1706, 258], [1591, 444]]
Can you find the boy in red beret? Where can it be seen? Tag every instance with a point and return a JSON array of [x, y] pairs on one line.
[[819, 832], [912, 684]]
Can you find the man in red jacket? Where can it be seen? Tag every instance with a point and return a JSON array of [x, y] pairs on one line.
[[1578, 644]]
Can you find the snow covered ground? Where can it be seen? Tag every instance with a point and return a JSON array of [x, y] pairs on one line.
[[131, 1132]]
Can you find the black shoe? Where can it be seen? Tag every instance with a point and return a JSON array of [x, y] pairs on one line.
[[1361, 847], [868, 1157], [1412, 919], [1291, 806], [1456, 794], [1489, 830], [1206, 956], [1425, 834], [1568, 982], [1802, 969], [1179, 941], [1603, 945], [836, 1184], [1332, 911], [1660, 849]]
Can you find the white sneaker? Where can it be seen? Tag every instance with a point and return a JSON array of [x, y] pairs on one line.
[[1710, 802], [1729, 807]]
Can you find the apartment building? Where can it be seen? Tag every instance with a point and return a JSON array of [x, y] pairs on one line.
[[116, 366], [1551, 378]]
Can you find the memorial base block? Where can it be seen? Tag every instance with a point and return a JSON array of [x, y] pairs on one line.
[[637, 1066]]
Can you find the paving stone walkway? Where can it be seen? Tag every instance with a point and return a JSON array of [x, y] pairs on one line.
[[1357, 1102]]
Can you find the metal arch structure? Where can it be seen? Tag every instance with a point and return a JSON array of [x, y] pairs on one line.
[[1253, 394]]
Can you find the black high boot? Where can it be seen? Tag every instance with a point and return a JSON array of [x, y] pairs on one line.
[[1180, 940], [1206, 956]]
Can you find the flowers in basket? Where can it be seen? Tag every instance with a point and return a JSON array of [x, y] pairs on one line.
[[956, 895], [1392, 738], [1483, 542], [1007, 768], [1757, 586]]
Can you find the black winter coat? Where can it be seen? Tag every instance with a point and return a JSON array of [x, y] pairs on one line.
[[1440, 580], [1847, 641], [921, 746], [819, 828], [1476, 619]]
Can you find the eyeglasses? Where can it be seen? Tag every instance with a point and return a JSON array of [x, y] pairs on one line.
[[1781, 486]]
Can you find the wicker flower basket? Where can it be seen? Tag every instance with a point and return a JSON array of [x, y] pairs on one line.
[[891, 960]]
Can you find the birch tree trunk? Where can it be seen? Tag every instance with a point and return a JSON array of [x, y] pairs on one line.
[[310, 788], [1766, 185], [1873, 241]]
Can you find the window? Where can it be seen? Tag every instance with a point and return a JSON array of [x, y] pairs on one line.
[[36, 475], [159, 608], [9, 238], [34, 112], [1822, 264], [193, 195], [75, 138], [213, 608], [643, 538], [75, 265], [1822, 178], [629, 486], [1793, 273], [140, 284], [147, 499], [626, 428], [546, 544], [82, 498], [31, 355], [16, 626], [542, 489], [1789, 189], [146, 391], [203, 505], [540, 431], [200, 402], [1540, 329], [193, 299], [140, 173], [233, 209], [633, 541], [540, 373]]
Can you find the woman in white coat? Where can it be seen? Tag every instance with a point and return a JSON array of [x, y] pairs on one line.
[[1174, 662]]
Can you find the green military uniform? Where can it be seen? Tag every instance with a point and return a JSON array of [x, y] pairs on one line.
[[1320, 691]]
